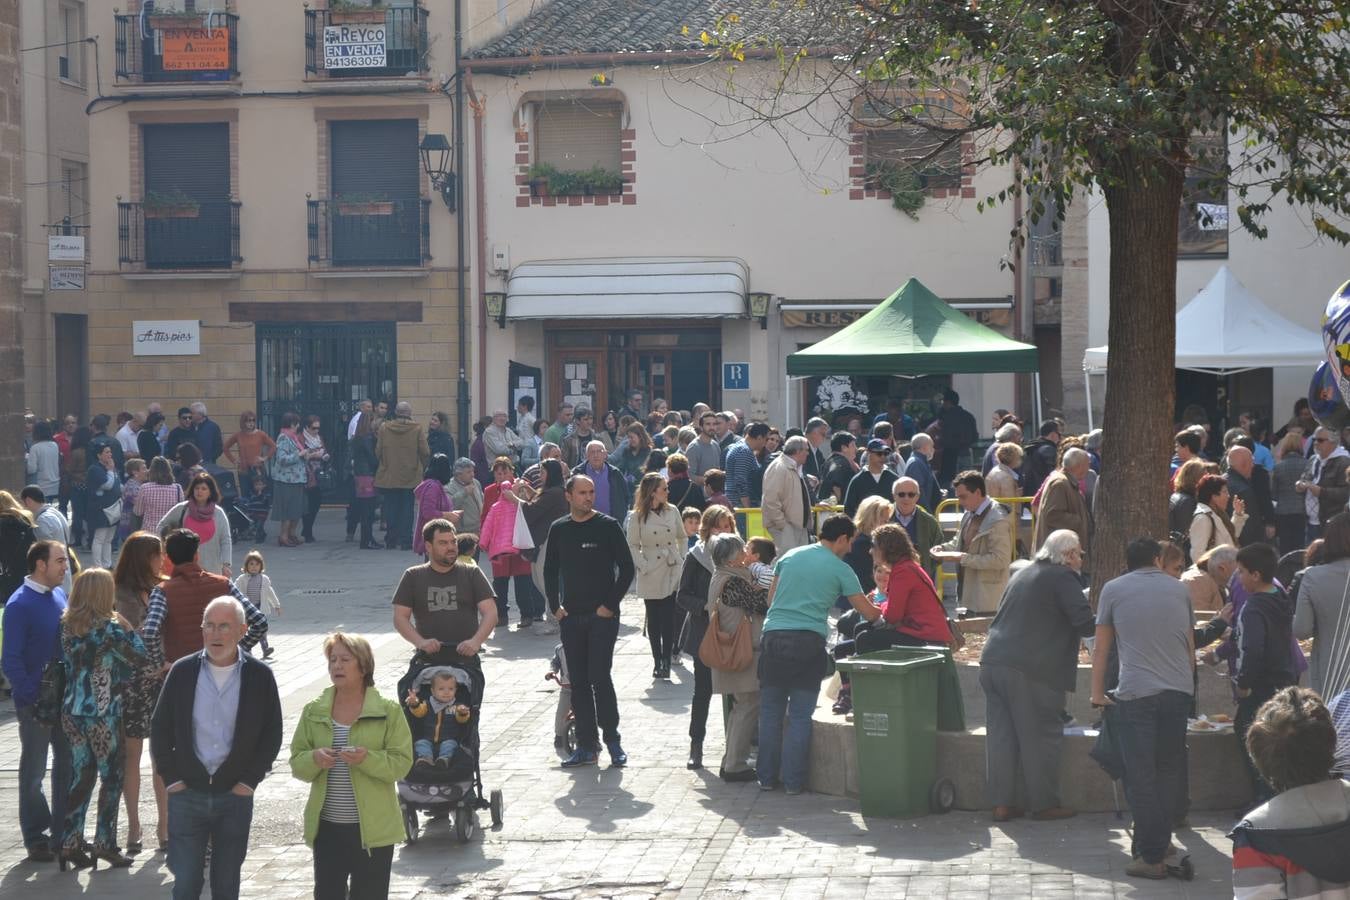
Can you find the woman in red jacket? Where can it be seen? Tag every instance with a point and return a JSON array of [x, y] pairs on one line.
[[912, 614]]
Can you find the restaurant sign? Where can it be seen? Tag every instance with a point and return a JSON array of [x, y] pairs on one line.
[[833, 318], [195, 49]]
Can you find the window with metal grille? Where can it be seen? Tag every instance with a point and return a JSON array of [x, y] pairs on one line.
[[901, 133], [576, 136], [1203, 224], [69, 201]]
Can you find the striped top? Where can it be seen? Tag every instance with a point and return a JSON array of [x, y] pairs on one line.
[[339, 802]]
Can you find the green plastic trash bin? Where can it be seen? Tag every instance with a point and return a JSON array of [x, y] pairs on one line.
[[895, 726], [951, 709]]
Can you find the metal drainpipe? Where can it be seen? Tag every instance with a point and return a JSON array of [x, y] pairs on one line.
[[480, 213], [462, 404]]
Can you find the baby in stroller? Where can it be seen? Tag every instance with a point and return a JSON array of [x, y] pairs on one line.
[[440, 725]]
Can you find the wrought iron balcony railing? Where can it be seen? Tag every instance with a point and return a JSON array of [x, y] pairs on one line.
[[154, 47], [195, 235], [379, 42], [369, 233]]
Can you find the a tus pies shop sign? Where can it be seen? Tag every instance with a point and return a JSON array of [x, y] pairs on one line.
[[182, 337]]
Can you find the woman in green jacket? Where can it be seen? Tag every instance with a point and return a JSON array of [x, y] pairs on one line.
[[352, 745]]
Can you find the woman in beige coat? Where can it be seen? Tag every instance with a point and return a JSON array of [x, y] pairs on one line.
[[656, 538], [733, 594]]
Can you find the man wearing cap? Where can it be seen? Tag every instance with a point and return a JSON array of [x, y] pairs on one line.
[[874, 481]]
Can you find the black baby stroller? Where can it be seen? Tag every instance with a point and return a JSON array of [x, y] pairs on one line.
[[458, 788], [241, 524]]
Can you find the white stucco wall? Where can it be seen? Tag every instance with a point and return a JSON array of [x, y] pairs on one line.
[[780, 203]]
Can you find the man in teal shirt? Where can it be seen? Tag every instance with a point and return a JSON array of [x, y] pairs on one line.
[[792, 660]]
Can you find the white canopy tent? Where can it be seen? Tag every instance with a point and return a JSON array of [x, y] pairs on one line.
[[1224, 330]]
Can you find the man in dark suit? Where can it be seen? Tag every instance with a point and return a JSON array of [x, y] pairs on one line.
[[818, 460], [1252, 483], [215, 733]]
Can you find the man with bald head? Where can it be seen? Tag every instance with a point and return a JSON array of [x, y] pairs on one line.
[[1252, 483], [1064, 499], [919, 468], [924, 531], [215, 735], [587, 570], [611, 490]]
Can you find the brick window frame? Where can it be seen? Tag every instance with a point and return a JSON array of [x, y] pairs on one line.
[[524, 119], [139, 118], [860, 188]]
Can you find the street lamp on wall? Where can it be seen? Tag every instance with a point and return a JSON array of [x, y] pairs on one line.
[[435, 149], [759, 308], [495, 303]]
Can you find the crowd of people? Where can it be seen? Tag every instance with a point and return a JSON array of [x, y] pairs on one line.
[[715, 523]]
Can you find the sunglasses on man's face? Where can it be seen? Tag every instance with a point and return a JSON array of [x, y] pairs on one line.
[[184, 418], [906, 493]]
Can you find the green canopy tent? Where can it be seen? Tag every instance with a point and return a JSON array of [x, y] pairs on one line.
[[915, 332]]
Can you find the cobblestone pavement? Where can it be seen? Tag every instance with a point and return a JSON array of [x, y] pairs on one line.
[[652, 830]]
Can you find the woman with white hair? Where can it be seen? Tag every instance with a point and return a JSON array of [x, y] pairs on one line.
[[735, 595], [1030, 661]]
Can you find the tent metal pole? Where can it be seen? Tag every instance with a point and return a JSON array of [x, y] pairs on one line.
[[1036, 386], [1087, 389], [787, 401]]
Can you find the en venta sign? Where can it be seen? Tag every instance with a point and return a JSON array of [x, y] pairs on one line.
[[182, 337], [353, 46], [195, 49]]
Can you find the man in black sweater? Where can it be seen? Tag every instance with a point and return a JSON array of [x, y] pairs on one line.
[[589, 552], [215, 735]]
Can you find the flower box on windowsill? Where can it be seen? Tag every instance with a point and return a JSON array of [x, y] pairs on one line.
[[172, 212], [366, 208], [374, 16]]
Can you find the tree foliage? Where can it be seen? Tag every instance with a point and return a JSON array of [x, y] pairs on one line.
[[1101, 95]]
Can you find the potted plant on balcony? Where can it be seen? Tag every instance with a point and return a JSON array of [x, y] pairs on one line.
[[161, 18], [345, 12], [364, 204], [541, 177], [903, 183], [170, 205], [599, 180]]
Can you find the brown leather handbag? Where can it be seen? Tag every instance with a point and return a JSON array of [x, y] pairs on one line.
[[727, 652]]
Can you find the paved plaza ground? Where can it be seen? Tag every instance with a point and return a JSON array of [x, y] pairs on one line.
[[652, 830]]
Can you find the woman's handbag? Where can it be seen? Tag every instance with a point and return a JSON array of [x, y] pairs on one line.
[[521, 538], [365, 486], [727, 652], [113, 513], [324, 478], [51, 693]]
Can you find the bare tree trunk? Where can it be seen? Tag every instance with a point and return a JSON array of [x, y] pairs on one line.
[[1140, 376], [11, 254]]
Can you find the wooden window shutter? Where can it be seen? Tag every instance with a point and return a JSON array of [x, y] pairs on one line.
[[574, 136]]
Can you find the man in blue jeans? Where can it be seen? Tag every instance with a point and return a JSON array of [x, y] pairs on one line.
[[1146, 616], [587, 570], [32, 626], [215, 733], [792, 660]]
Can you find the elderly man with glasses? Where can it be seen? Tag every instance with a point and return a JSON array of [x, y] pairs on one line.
[[1323, 484], [924, 531]]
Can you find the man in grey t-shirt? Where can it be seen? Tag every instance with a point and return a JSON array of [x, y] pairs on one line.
[[1146, 615], [704, 453]]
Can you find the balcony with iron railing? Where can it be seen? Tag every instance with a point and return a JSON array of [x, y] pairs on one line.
[[176, 47], [372, 233], [374, 42], [168, 236], [1045, 251]]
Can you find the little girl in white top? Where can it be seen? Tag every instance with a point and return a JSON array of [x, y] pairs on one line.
[[257, 587]]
